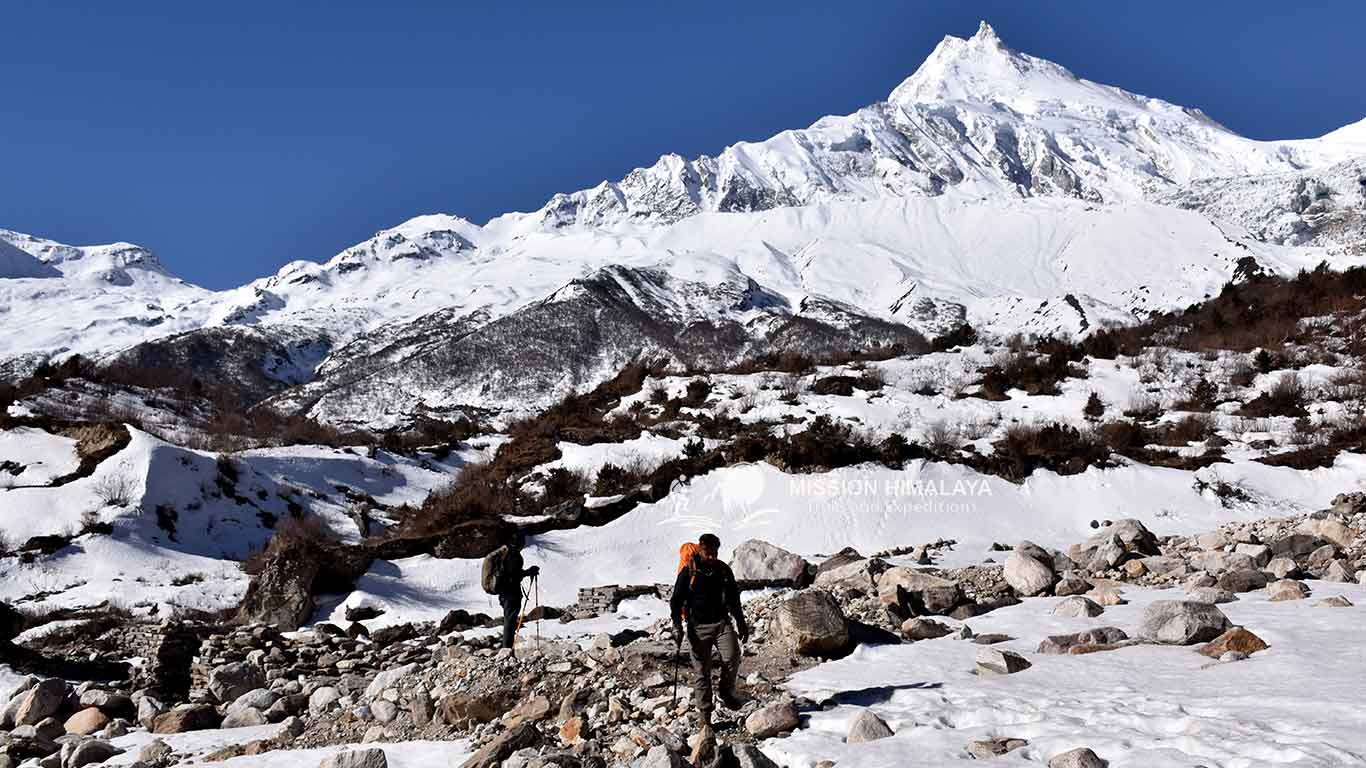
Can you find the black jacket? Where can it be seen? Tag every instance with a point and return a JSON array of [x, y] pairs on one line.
[[708, 591], [510, 578]]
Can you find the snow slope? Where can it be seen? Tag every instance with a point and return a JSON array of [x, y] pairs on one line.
[[1140, 707], [869, 508]]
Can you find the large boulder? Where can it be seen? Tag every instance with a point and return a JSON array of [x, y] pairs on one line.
[[281, 594], [41, 701], [757, 560], [918, 591], [1182, 622], [811, 624], [1027, 575], [1113, 544]]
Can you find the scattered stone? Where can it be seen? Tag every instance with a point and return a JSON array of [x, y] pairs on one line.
[[1081, 757], [1026, 575], [187, 717], [86, 722], [228, 681], [989, 748], [89, 752], [1242, 580], [919, 592], [1329, 530], [1182, 622], [492, 754], [1213, 595], [924, 629], [323, 700], [1107, 596], [1078, 607], [1286, 589], [773, 719], [867, 726], [994, 661], [1090, 641], [357, 758], [1339, 572], [1071, 583], [1334, 601], [1282, 568], [1237, 639]]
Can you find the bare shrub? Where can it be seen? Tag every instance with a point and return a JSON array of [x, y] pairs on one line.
[[1143, 405], [115, 489], [976, 429], [942, 440], [292, 532], [790, 388], [1285, 398]]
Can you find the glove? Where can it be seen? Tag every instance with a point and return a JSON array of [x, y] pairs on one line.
[[742, 629], [534, 570]]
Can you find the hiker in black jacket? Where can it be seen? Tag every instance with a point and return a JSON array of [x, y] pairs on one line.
[[510, 587], [706, 589]]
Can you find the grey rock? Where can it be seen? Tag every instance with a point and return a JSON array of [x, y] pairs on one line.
[[749, 756], [1081, 757], [1027, 575], [1101, 636], [357, 758], [994, 661], [228, 681], [924, 592], [757, 560], [1242, 580], [989, 748], [1078, 607], [772, 719], [867, 726], [40, 701], [659, 756], [1182, 622], [811, 624], [1210, 595]]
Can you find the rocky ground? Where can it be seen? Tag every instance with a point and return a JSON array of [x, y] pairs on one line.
[[609, 699]]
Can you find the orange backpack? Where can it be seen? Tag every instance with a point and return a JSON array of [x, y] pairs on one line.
[[686, 553]]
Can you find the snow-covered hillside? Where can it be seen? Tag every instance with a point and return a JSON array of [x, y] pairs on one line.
[[949, 200]]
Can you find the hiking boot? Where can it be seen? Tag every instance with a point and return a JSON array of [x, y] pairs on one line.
[[734, 702]]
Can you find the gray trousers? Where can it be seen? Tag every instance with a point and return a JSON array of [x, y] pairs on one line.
[[702, 639]]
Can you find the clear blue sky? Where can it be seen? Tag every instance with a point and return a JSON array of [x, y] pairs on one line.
[[233, 137]]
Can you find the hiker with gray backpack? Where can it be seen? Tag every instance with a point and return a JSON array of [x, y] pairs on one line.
[[502, 575]]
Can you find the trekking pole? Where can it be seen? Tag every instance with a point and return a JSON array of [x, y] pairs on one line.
[[536, 585], [678, 647]]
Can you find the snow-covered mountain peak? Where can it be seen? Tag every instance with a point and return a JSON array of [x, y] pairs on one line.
[[977, 69]]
